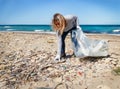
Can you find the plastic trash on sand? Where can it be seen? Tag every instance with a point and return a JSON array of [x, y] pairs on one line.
[[83, 46]]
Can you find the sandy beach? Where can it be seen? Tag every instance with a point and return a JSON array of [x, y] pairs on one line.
[[27, 62]]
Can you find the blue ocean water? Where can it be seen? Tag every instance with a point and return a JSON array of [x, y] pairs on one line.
[[106, 29]]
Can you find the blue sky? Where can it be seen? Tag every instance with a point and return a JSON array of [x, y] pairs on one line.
[[41, 11]]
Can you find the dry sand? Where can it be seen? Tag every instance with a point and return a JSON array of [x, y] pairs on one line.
[[27, 62]]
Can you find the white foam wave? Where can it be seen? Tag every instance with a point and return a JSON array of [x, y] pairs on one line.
[[117, 30], [39, 30], [46, 32], [7, 27]]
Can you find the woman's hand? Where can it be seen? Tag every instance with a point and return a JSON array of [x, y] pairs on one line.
[[57, 58]]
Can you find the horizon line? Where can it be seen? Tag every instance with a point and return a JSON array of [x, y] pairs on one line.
[[50, 24]]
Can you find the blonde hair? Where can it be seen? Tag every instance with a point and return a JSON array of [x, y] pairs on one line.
[[62, 23]]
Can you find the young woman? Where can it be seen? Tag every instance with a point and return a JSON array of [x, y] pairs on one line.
[[82, 45]]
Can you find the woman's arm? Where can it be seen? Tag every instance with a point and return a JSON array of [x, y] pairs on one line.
[[77, 22], [59, 39]]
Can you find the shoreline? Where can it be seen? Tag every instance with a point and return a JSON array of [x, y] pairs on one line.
[[52, 32]]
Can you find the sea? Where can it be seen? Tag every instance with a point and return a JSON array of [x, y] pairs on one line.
[[94, 29]]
